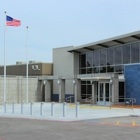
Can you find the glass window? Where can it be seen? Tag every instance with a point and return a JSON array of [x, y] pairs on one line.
[[83, 91], [103, 58], [102, 69], [82, 71], [101, 91], [83, 82], [96, 58], [89, 59], [135, 53], [121, 91], [82, 60], [110, 68], [119, 69], [126, 54], [118, 55], [110, 56], [96, 70], [89, 82], [107, 91], [89, 70], [89, 90]]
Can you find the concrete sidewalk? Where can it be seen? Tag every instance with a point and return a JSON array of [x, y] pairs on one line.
[[85, 112]]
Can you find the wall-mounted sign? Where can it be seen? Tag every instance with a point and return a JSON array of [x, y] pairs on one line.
[[35, 67]]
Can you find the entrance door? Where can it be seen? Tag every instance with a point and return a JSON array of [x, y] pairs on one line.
[[103, 93]]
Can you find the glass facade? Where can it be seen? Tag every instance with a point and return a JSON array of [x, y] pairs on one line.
[[110, 56], [86, 89], [135, 53], [126, 54], [110, 60]]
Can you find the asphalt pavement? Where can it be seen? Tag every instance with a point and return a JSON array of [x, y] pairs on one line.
[[96, 129]]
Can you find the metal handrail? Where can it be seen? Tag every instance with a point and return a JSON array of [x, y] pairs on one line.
[[130, 101], [70, 99], [127, 101]]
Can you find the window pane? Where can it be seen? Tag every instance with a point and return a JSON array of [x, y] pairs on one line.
[[96, 58], [103, 58], [101, 91], [82, 71], [135, 53], [102, 69], [89, 70], [110, 69], [107, 91], [89, 82], [110, 56], [89, 59], [96, 70], [83, 82], [89, 89], [119, 69], [126, 54], [121, 91], [118, 55], [83, 91], [82, 60]]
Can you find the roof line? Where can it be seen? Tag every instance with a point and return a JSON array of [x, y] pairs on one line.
[[107, 40]]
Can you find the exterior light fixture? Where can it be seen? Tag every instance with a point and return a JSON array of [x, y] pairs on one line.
[[111, 81], [44, 82], [74, 82], [91, 82], [58, 82]]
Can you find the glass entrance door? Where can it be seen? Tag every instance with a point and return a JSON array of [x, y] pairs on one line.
[[103, 93]]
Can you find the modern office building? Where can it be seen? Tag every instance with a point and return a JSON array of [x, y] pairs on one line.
[[107, 71]]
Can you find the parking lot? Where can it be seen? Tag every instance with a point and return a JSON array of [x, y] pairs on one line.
[[97, 129], [92, 123]]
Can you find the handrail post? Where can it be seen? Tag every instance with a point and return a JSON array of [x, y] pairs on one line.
[[22, 107], [41, 108], [77, 109], [132, 104], [52, 108], [13, 107], [64, 109], [31, 108], [5, 107]]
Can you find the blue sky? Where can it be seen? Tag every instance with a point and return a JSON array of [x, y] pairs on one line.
[[59, 23]]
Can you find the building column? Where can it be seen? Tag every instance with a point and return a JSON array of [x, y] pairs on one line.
[[115, 89], [77, 91], [48, 91], [94, 92], [62, 91]]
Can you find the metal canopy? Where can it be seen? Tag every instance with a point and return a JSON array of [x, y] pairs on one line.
[[120, 78], [118, 40], [95, 79]]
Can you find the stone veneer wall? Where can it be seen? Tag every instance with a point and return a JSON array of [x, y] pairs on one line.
[[132, 81], [16, 89]]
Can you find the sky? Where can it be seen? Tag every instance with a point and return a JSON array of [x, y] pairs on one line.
[[60, 23]]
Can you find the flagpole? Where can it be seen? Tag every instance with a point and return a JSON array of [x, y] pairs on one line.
[[4, 94], [27, 64]]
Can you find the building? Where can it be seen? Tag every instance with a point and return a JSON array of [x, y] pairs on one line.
[[16, 82], [107, 71], [35, 68]]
